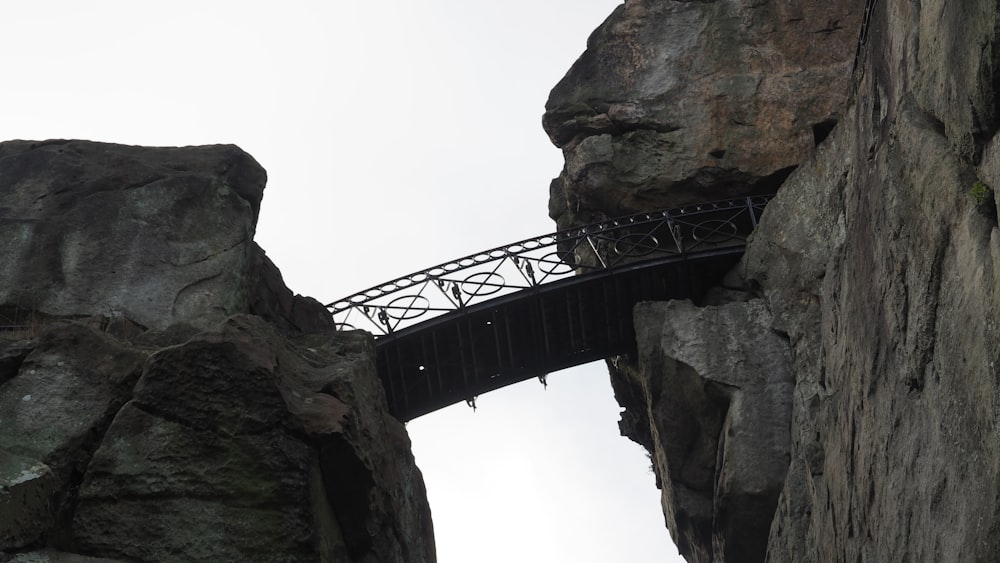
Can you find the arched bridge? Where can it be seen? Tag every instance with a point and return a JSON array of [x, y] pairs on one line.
[[511, 313]]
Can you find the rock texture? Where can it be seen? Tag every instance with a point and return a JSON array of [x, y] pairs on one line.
[[154, 235], [879, 261], [876, 265], [679, 101], [53, 556], [260, 436], [24, 500], [717, 385]]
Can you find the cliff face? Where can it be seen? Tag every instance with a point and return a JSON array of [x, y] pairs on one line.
[[838, 402], [163, 395], [879, 261]]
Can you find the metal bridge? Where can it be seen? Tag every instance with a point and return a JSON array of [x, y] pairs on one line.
[[459, 329]]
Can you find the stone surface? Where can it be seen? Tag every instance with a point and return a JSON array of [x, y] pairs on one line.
[[238, 443], [27, 488], [65, 394], [272, 300], [717, 385], [163, 395], [158, 489], [881, 267], [369, 476], [678, 101], [876, 261], [244, 444], [12, 355], [53, 556], [155, 235]]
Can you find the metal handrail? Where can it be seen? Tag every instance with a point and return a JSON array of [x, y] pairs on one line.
[[479, 277]]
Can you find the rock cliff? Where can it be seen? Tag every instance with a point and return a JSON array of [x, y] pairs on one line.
[[879, 263], [837, 400], [680, 101], [163, 395]]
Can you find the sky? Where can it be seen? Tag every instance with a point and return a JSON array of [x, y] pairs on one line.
[[396, 135]]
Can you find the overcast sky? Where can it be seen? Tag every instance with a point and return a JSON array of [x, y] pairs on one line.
[[396, 135]]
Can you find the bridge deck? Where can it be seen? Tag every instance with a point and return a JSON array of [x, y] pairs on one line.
[[454, 331], [534, 332]]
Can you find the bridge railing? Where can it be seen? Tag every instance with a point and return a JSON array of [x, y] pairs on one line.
[[451, 286]]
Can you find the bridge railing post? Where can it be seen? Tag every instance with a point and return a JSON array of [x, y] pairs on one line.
[[751, 209], [675, 233], [456, 292], [597, 252]]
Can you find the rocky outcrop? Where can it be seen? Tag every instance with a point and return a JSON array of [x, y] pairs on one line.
[[155, 235], [872, 275], [879, 261], [54, 556], [260, 436], [24, 500], [676, 102], [681, 101], [716, 383]]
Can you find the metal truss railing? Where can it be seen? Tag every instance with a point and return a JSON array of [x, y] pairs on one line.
[[424, 295]]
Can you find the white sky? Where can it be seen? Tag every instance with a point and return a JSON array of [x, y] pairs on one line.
[[396, 135]]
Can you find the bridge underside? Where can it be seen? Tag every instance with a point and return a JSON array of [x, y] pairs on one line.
[[577, 320]]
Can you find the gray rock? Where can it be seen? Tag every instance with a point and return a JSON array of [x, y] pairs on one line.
[[676, 102], [27, 491], [881, 268], [877, 260], [373, 488], [168, 427], [243, 444], [272, 300], [222, 381], [65, 394], [155, 235], [12, 355], [157, 489], [718, 388], [53, 556]]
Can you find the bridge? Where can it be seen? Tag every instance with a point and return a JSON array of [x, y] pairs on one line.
[[459, 329]]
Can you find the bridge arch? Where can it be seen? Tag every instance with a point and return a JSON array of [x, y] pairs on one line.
[[469, 326]]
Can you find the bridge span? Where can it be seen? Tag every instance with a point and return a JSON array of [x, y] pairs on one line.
[[459, 329]]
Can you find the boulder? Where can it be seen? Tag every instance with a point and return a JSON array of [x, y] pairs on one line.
[[718, 388], [27, 491], [675, 102], [154, 235], [241, 443], [271, 299], [54, 556], [373, 486], [163, 395], [12, 355], [158, 487], [879, 260], [65, 394]]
